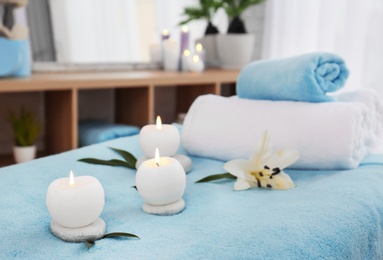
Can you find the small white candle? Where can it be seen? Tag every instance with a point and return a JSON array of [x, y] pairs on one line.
[[161, 181], [75, 201], [200, 51], [186, 59], [165, 137], [171, 54], [155, 53], [197, 64]]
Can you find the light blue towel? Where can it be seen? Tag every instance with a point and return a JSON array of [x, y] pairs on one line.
[[329, 215], [96, 131], [301, 78]]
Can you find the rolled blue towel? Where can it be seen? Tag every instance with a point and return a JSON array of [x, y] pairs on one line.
[[95, 131], [300, 78]]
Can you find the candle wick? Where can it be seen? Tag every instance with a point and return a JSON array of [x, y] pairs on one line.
[[157, 164]]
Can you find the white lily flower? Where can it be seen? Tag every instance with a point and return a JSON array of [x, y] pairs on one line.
[[264, 168]]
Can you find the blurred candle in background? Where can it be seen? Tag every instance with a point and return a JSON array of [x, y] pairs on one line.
[[200, 51], [186, 59], [196, 64], [184, 43], [165, 34]]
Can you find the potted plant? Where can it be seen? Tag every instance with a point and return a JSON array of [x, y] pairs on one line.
[[236, 48], [25, 129], [205, 11]]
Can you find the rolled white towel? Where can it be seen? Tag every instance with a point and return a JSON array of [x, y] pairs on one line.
[[331, 135]]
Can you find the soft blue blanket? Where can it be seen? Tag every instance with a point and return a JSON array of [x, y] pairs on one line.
[[329, 215], [300, 78]]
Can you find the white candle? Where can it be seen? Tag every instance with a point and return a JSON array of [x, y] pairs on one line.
[[155, 53], [200, 51], [171, 54], [161, 181], [75, 202], [186, 59], [165, 137], [197, 64]]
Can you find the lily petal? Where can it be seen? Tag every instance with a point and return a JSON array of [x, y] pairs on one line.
[[262, 151], [282, 158], [282, 181], [239, 168], [241, 184]]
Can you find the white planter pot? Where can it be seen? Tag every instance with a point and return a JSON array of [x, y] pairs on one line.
[[235, 50], [24, 153], [209, 45]]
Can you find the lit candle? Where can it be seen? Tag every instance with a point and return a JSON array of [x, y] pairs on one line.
[[184, 44], [161, 181], [186, 59], [200, 51], [75, 201], [165, 34], [170, 54], [165, 137], [197, 64]]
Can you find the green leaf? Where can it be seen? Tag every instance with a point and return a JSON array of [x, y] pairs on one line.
[[129, 158], [113, 162], [217, 177], [120, 234], [89, 244]]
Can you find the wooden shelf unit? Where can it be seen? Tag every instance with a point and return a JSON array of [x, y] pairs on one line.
[[134, 92]]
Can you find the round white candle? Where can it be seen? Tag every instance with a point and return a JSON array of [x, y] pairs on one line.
[[197, 64], [75, 202], [161, 181], [162, 136]]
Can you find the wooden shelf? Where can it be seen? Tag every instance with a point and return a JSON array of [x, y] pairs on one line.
[[134, 91]]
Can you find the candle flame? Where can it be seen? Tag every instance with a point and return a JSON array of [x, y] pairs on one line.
[[187, 53], [198, 47], [157, 157], [158, 122], [165, 32], [71, 179], [195, 58], [185, 28]]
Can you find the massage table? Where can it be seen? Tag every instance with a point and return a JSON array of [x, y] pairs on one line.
[[328, 215]]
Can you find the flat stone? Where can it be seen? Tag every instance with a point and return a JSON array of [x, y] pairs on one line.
[[165, 210], [92, 232]]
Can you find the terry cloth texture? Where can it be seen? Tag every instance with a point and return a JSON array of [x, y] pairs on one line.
[[300, 78], [329, 215]]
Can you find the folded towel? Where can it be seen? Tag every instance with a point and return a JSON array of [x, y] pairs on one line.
[[94, 131], [372, 99], [330, 135], [301, 78]]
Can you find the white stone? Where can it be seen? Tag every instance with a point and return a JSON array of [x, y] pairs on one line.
[[165, 210], [92, 232]]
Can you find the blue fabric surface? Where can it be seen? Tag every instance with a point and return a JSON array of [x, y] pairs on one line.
[[329, 215], [14, 58], [94, 131], [300, 78]]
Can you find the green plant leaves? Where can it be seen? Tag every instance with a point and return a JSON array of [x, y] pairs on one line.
[[130, 160], [216, 177], [89, 243], [25, 127], [120, 234]]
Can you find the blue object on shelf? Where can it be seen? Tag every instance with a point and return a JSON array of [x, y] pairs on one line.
[[96, 131], [15, 60]]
